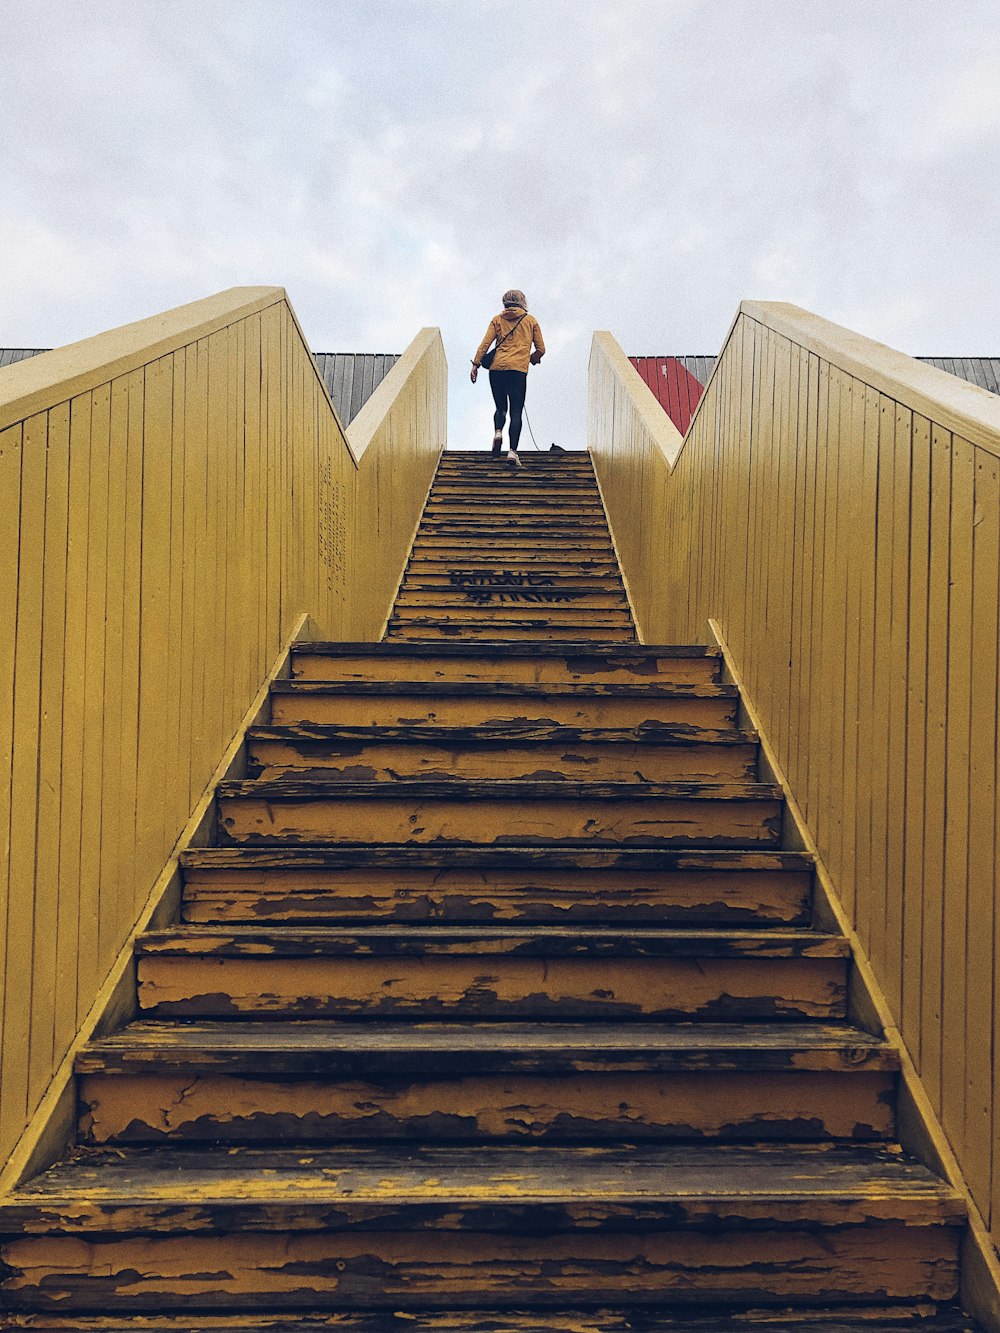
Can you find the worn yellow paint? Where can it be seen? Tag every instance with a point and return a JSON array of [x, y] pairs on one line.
[[176, 494], [534, 667], [603, 1106], [289, 892], [314, 1270], [834, 508], [625, 762], [526, 818], [492, 985], [705, 709]]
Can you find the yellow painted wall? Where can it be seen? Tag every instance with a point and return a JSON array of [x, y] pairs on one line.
[[835, 506], [174, 495]]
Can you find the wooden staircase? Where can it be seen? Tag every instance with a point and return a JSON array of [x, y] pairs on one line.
[[498, 1006], [513, 554]]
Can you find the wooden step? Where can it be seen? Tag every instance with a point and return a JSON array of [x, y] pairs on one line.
[[554, 604], [925, 1317], [430, 574], [522, 563], [528, 513], [470, 534], [511, 750], [534, 594], [523, 497], [317, 809], [164, 1228], [510, 539], [560, 554], [529, 629], [325, 1082], [534, 499], [490, 972], [514, 502], [501, 481], [482, 591], [569, 664], [548, 607], [535, 471], [524, 884], [502, 524], [568, 564], [500, 474], [472, 703], [458, 556], [509, 586], [478, 462]]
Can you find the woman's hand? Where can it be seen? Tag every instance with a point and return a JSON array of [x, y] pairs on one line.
[[474, 372], [535, 358]]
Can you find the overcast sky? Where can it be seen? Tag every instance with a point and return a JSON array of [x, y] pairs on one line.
[[639, 166]]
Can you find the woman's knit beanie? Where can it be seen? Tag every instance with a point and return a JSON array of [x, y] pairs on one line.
[[514, 297]]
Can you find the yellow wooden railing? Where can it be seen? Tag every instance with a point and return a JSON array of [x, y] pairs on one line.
[[175, 497], [835, 510]]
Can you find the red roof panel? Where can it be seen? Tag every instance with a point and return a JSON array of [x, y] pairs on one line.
[[674, 387]]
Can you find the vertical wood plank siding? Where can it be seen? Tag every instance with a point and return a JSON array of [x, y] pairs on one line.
[[836, 508], [173, 497]]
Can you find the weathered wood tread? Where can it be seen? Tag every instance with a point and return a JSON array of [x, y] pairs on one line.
[[295, 787], [458, 537], [501, 648], [410, 940], [580, 509], [476, 593], [544, 856], [524, 514], [515, 731], [483, 519], [459, 584], [472, 529], [458, 610], [330, 1049], [924, 1318], [519, 750], [596, 545], [463, 884], [563, 563], [495, 1189], [530, 629], [422, 578], [581, 504], [508, 689]]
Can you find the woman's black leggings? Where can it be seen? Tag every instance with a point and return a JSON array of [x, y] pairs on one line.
[[509, 386]]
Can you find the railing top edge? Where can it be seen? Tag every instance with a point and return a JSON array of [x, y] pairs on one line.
[[960, 407], [362, 430], [33, 385], [658, 425]]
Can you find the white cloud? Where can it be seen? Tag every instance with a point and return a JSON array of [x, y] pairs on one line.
[[962, 107], [640, 167]]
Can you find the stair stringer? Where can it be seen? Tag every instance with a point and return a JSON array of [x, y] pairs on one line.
[[640, 635], [919, 1131]]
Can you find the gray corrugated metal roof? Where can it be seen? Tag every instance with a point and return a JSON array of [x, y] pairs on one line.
[[8, 355], [350, 377], [698, 366], [981, 370]]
